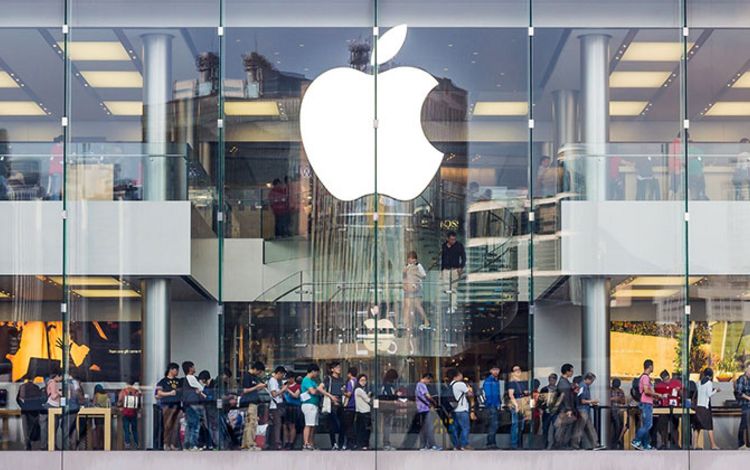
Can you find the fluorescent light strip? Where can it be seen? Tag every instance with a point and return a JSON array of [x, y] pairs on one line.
[[251, 108], [501, 108], [96, 51], [654, 52], [106, 293], [6, 81], [638, 79], [644, 293], [21, 108], [626, 108], [104, 79], [729, 108], [662, 281], [84, 280], [125, 108]]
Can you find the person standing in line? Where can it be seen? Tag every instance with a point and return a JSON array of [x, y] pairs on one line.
[[565, 418], [209, 435], [492, 403], [388, 398], [646, 400], [703, 415], [413, 276], [129, 401], [311, 391], [742, 394], [585, 425], [547, 397], [363, 406], [251, 387], [618, 402], [192, 396], [335, 386], [518, 396], [461, 419], [452, 263], [421, 423], [292, 412], [276, 387], [350, 409], [30, 400], [167, 394]]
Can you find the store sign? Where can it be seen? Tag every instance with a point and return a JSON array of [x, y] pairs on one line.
[[338, 127]]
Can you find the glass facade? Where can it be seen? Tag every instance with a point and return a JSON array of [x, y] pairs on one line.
[[374, 224]]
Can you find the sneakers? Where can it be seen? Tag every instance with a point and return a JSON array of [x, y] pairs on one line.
[[335, 447], [636, 445], [599, 447], [435, 448]]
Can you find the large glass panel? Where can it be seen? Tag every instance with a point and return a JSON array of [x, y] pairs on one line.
[[31, 226], [453, 234], [609, 263], [142, 251], [717, 177], [298, 256]]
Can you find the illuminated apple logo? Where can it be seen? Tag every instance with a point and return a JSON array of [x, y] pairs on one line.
[[337, 119]]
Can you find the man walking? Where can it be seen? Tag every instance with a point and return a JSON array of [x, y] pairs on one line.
[[566, 418], [742, 393], [492, 395], [452, 263], [642, 439], [585, 425]]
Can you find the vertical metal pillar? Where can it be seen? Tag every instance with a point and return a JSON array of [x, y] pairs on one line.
[[595, 134], [157, 186]]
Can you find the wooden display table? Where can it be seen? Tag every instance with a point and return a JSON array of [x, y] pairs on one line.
[[658, 411], [84, 412]]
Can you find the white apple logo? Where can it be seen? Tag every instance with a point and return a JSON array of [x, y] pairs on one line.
[[337, 118]]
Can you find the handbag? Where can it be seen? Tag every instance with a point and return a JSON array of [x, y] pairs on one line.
[[326, 409]]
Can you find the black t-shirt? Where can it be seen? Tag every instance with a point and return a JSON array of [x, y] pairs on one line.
[[334, 385], [249, 380], [167, 385]]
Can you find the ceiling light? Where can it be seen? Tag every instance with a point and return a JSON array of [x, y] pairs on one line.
[[644, 293], [662, 281], [4, 295], [20, 108], [638, 79], [102, 79], [96, 50], [626, 108], [6, 81], [654, 52], [501, 108], [106, 293], [251, 108], [125, 108], [730, 108], [83, 280]]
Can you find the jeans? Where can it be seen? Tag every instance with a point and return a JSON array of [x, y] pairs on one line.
[[130, 430], [335, 426], [742, 433], [192, 427], [547, 418], [460, 429], [647, 421], [516, 429], [493, 419]]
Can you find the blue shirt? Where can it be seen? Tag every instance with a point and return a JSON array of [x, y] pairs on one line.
[[491, 388], [307, 384], [584, 394]]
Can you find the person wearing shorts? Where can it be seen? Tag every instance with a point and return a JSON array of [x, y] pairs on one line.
[[311, 391]]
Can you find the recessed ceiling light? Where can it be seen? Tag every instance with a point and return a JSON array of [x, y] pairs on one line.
[[96, 50], [654, 52], [6, 81], [638, 79], [20, 108], [501, 108], [125, 108], [626, 108], [730, 108], [106, 293], [104, 79], [251, 108]]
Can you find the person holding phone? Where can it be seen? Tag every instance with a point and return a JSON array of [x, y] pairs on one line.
[[311, 391]]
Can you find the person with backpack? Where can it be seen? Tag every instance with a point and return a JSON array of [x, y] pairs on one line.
[[742, 394], [492, 402], [192, 395], [460, 394], [30, 399], [643, 392], [129, 401]]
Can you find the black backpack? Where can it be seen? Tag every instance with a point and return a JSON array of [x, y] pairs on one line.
[[34, 397], [635, 388]]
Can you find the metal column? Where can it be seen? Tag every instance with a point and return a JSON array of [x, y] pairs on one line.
[[595, 135], [565, 117], [157, 186]]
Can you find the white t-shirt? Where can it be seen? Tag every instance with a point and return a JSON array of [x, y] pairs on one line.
[[274, 386], [705, 392], [459, 393]]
